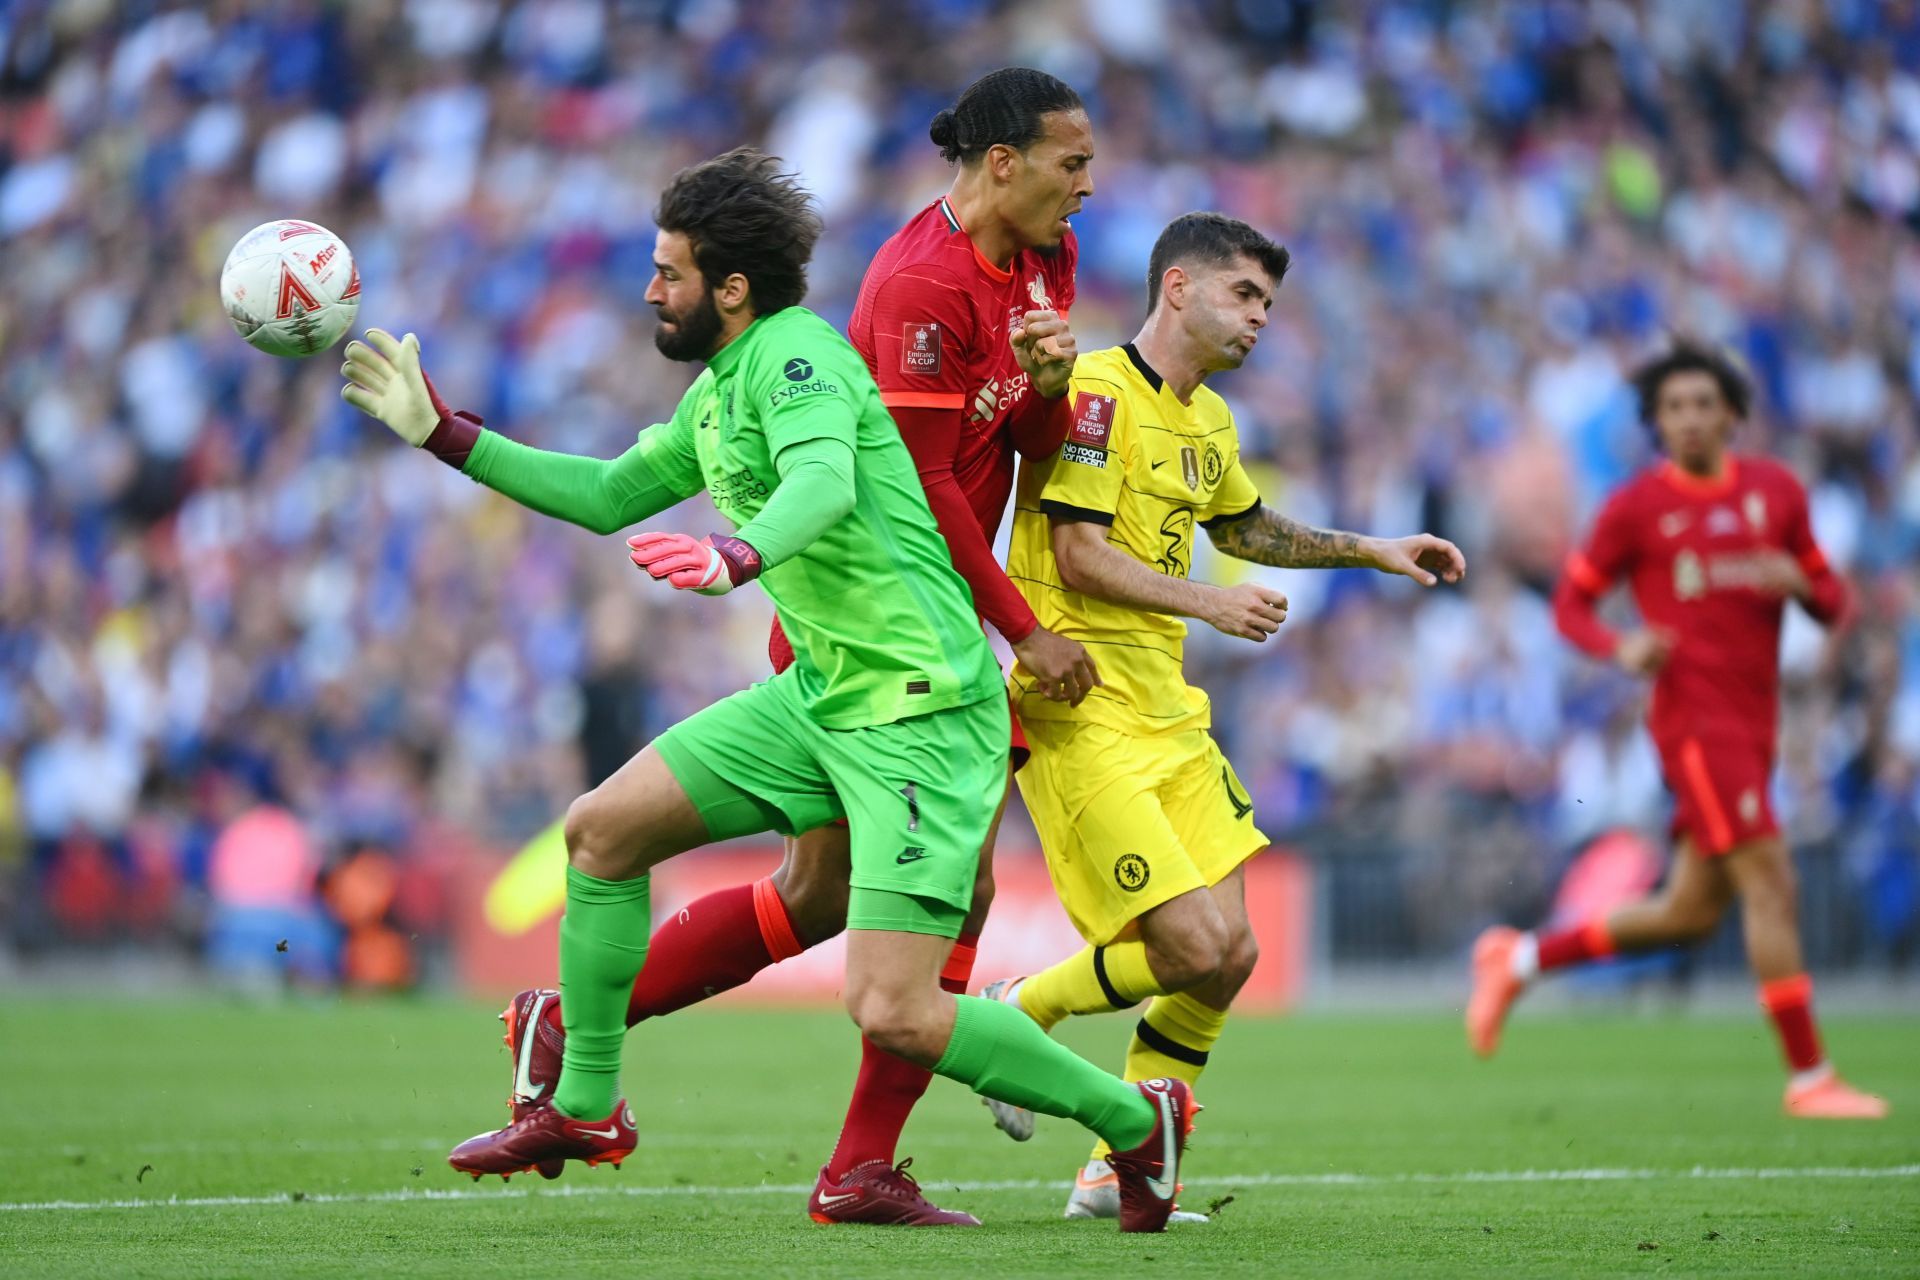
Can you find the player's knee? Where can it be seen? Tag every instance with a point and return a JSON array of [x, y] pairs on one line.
[[1694, 919], [1196, 954], [596, 841], [1242, 955], [1774, 898], [903, 1027]]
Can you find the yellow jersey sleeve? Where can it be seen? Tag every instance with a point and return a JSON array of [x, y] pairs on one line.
[[1087, 475]]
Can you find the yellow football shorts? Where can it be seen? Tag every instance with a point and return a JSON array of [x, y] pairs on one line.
[[1128, 823]]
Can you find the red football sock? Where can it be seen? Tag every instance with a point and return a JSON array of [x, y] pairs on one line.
[[713, 944], [888, 1087], [1562, 947], [1789, 1001]]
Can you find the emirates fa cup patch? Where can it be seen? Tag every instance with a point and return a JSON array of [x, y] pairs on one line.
[[920, 349], [1092, 419]]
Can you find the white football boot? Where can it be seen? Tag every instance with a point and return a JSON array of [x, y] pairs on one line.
[[1096, 1194]]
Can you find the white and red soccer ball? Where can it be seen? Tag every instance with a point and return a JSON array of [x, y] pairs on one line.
[[291, 288]]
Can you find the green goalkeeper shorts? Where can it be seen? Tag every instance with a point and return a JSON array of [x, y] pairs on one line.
[[918, 794]]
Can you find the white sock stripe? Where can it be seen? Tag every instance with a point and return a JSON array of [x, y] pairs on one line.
[[1526, 958], [1231, 1182]]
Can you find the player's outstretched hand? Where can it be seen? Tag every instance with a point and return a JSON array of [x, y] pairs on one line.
[[1643, 653], [1062, 669], [1249, 611], [385, 381], [713, 565], [1422, 557], [1046, 349]]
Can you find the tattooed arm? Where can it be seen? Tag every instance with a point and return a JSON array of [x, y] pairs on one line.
[[1092, 566], [1264, 536]]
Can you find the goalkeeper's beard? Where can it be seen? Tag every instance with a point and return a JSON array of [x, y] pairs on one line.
[[693, 335]]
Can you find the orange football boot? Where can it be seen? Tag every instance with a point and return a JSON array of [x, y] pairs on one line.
[[1831, 1098], [1494, 988]]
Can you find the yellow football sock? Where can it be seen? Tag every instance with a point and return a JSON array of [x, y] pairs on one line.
[[1092, 980], [1173, 1038]]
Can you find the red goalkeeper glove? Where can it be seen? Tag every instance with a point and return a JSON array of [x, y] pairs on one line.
[[713, 565]]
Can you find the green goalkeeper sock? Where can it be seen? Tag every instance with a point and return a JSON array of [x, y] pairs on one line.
[[603, 944], [997, 1050]]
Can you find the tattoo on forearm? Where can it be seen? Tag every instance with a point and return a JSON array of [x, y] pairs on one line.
[[1267, 537]]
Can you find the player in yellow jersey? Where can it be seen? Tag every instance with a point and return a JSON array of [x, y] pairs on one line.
[[1145, 827]]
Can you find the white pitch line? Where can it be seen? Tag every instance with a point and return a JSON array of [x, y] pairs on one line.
[[116, 1148], [300, 1146], [472, 1195]]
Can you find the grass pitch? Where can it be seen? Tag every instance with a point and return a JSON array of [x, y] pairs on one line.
[[198, 1138]]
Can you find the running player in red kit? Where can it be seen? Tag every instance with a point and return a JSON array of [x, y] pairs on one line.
[[1713, 545], [962, 320]]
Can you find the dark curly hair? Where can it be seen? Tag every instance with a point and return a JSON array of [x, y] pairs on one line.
[[1690, 356], [744, 214], [1213, 239], [1001, 107]]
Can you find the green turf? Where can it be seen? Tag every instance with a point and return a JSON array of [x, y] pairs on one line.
[[117, 1101]]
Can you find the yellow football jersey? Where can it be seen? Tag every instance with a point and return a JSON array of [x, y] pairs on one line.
[[1150, 469]]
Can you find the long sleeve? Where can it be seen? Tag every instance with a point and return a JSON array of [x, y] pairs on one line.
[[1040, 425], [1829, 600], [816, 492], [931, 436], [1576, 611], [596, 493], [1590, 574]]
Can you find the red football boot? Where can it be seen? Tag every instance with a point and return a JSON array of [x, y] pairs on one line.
[[544, 1137], [1149, 1175], [880, 1195], [534, 1038]]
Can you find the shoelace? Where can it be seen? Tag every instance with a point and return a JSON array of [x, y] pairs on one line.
[[911, 1189]]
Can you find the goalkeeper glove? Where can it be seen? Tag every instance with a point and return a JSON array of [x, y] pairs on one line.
[[385, 381], [713, 565]]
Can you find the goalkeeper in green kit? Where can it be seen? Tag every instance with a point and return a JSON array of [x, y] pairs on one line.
[[894, 715]]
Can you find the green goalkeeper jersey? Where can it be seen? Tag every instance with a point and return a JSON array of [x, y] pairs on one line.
[[882, 625]]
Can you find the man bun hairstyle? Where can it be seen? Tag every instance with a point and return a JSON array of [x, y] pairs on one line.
[[1690, 355], [1211, 239], [744, 214], [1003, 107]]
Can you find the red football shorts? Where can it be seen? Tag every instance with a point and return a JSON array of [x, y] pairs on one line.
[[780, 654], [1719, 787]]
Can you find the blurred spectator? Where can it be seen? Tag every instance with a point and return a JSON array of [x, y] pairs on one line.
[[215, 576]]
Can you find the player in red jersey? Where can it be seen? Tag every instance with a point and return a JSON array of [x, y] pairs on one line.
[[962, 320], [1713, 545]]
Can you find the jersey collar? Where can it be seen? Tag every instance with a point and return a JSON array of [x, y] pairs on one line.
[[726, 357], [1154, 380], [954, 227], [1702, 486]]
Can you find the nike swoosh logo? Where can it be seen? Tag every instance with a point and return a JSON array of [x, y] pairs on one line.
[[613, 1131], [523, 1085], [1156, 466], [1164, 1186], [832, 1200]]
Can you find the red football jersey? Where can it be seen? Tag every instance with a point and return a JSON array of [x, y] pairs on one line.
[[1686, 547], [932, 320]]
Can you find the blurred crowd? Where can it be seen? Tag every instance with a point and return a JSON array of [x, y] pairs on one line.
[[227, 598]]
